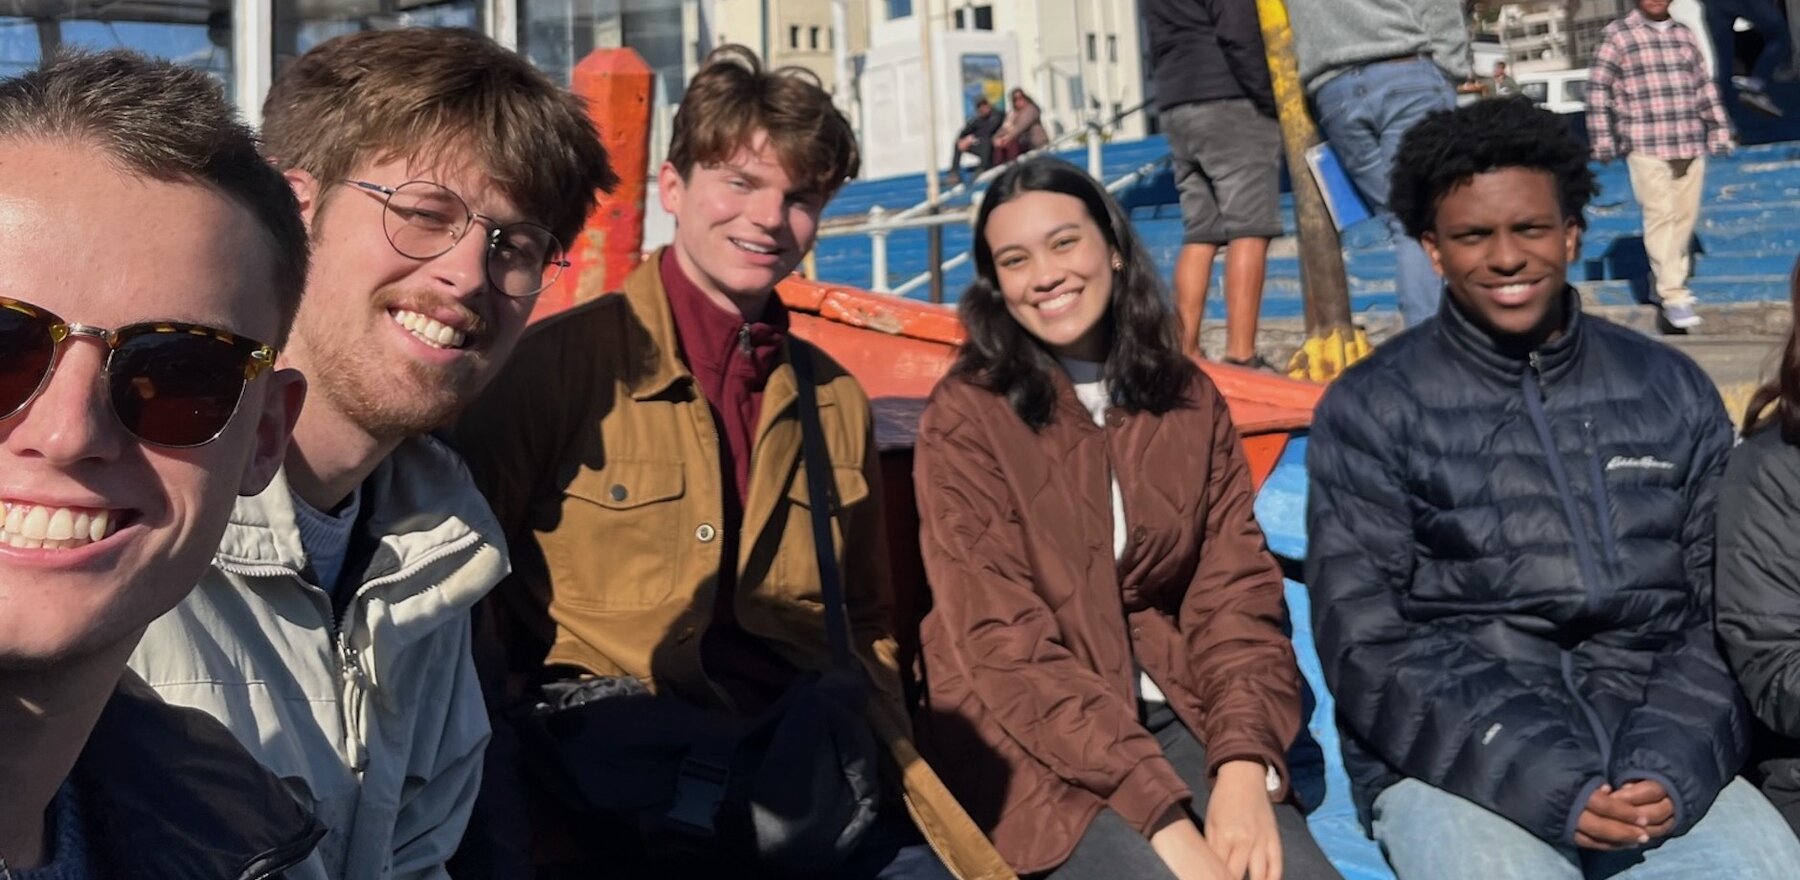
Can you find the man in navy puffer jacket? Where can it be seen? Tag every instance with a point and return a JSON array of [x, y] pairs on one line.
[[1511, 520]]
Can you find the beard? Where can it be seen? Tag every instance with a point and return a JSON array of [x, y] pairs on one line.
[[389, 397]]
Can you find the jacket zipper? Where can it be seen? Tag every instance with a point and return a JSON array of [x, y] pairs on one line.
[[1533, 389], [352, 680], [1602, 500]]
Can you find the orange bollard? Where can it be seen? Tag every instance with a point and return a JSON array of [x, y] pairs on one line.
[[616, 85]]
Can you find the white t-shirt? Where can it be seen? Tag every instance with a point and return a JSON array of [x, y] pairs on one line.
[[1090, 389]]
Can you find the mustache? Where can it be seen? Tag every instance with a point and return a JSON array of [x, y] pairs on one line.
[[471, 323]]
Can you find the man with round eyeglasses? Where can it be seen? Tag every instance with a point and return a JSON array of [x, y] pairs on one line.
[[139, 396], [332, 633]]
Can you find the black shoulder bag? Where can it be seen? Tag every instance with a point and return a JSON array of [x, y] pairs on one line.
[[792, 791]]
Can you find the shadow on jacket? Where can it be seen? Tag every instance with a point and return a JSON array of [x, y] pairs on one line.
[[168, 794], [1759, 603], [1511, 568]]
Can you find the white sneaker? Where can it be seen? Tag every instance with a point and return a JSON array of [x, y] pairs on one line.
[[1682, 316]]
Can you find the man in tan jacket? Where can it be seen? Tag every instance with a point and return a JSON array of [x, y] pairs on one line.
[[642, 453]]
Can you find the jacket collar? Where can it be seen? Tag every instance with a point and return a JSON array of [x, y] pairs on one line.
[[436, 545], [659, 358], [1503, 361], [170, 795]]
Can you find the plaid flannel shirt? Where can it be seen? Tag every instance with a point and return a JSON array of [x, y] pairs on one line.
[[1650, 91]]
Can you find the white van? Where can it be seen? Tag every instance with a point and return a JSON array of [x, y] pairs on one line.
[[1560, 91]]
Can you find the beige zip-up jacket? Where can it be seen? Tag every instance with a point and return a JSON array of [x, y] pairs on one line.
[[375, 719]]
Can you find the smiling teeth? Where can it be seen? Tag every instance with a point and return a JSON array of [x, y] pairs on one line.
[[754, 248], [1512, 289], [1058, 301], [35, 527], [429, 331]]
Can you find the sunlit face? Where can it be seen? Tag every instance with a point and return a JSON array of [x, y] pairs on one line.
[[101, 247], [1055, 271], [742, 225], [399, 346], [1503, 246]]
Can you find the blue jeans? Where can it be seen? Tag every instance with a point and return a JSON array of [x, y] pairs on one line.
[[1429, 834], [1364, 111]]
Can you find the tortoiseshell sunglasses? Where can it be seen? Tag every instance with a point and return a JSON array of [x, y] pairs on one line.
[[170, 384]]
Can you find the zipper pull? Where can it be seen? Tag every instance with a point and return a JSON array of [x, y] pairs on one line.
[[744, 341], [1536, 366]]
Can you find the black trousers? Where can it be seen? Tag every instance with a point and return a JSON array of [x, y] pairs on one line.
[[1113, 850]]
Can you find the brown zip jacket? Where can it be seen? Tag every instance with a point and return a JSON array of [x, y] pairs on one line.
[[1028, 651], [599, 455]]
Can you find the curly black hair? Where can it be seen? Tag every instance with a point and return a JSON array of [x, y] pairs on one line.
[[1449, 147]]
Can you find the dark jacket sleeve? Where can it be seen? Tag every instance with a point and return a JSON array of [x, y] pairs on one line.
[[1759, 577], [1234, 618], [509, 438], [1007, 641], [1418, 694], [1691, 733], [1239, 32]]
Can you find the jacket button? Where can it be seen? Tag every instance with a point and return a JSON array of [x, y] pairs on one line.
[[687, 632], [705, 533], [1137, 633], [1137, 534], [618, 492]]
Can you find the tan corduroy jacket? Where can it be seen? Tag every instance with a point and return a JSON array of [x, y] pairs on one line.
[[599, 455]]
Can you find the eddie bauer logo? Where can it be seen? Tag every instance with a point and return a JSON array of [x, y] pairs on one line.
[[1642, 462]]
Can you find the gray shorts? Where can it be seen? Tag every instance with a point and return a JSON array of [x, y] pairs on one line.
[[1227, 161]]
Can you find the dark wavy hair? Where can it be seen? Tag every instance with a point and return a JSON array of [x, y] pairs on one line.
[[1778, 400], [1449, 147], [1144, 370]]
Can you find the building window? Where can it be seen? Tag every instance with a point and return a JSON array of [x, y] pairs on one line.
[[898, 9], [303, 24], [975, 18], [557, 34], [831, 39], [42, 28], [812, 38], [1092, 41], [1112, 48], [793, 36]]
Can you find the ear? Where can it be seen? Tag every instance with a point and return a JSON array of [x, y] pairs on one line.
[[669, 188], [1428, 240], [283, 398], [1572, 241], [306, 192]]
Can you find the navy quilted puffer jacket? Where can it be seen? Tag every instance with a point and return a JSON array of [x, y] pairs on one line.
[[1511, 570]]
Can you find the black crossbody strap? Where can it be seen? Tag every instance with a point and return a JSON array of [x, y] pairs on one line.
[[820, 488]]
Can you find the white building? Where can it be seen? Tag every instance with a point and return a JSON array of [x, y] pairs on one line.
[[1079, 59]]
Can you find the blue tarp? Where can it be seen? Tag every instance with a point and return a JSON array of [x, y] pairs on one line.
[[1281, 509]]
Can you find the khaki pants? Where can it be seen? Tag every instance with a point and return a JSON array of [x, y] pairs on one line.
[[1669, 192]]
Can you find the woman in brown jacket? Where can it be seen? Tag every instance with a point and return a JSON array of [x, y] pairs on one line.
[[1105, 665]]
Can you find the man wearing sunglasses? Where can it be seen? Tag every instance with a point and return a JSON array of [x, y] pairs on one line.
[[437, 174], [138, 397]]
